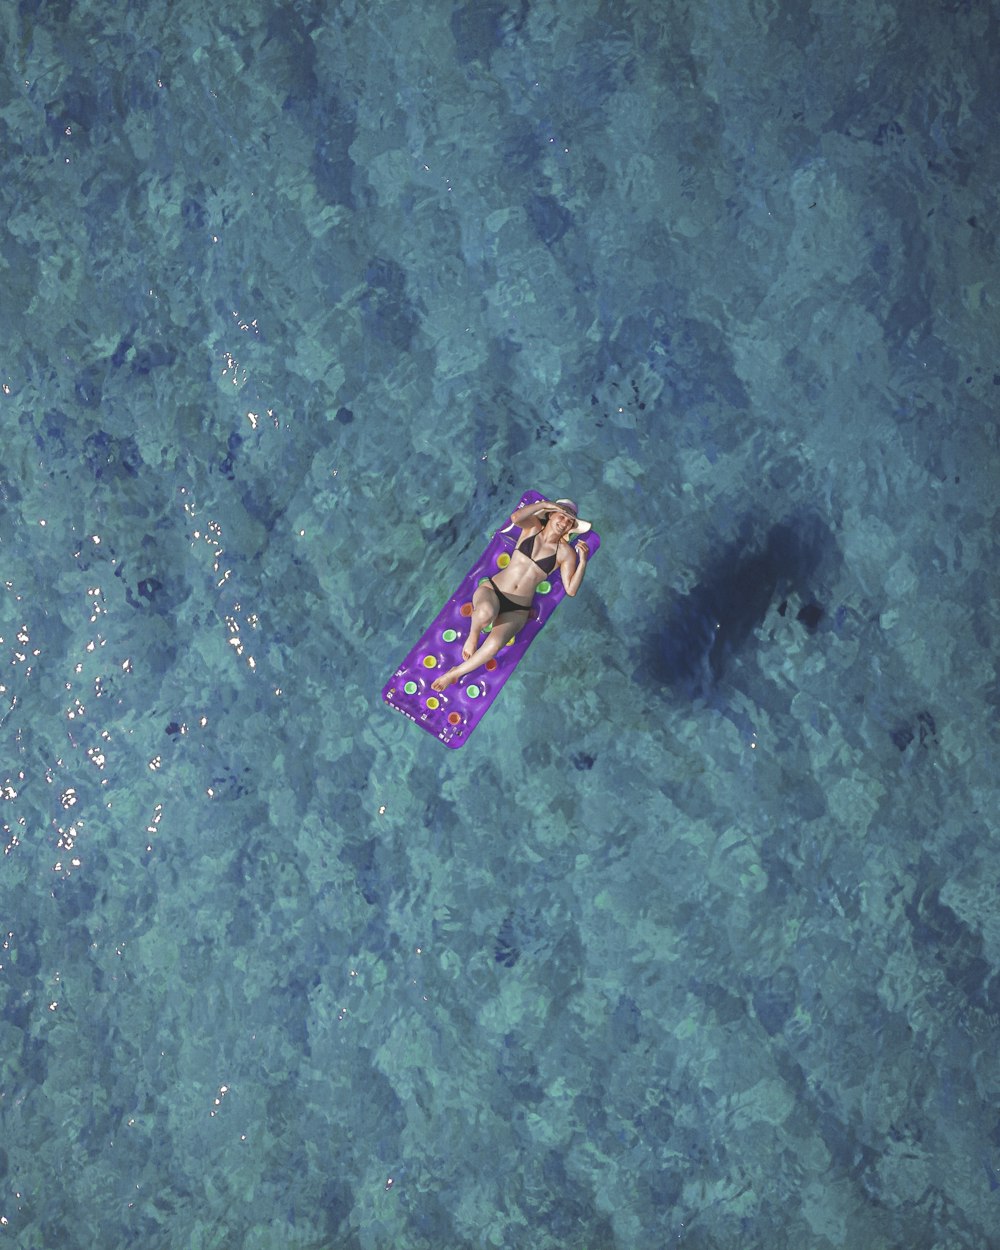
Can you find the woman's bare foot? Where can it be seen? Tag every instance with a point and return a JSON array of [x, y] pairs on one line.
[[444, 681], [470, 644]]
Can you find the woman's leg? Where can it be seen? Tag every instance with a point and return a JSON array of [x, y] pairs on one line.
[[503, 630], [485, 606]]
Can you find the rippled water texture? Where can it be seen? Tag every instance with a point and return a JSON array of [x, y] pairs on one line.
[[696, 942]]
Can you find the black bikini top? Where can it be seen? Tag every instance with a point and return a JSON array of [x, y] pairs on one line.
[[527, 546]]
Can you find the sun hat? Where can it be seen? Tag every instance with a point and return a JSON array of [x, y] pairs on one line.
[[568, 507]]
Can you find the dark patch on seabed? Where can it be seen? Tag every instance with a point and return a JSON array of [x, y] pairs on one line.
[[711, 624]]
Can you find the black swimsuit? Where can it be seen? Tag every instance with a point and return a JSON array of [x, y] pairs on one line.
[[507, 605], [526, 547]]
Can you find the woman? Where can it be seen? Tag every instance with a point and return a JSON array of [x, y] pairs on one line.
[[504, 601]]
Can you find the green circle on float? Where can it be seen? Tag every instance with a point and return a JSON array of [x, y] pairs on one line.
[[472, 692], [450, 635], [410, 687], [544, 587]]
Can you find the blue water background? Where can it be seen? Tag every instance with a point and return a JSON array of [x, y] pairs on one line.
[[697, 942]]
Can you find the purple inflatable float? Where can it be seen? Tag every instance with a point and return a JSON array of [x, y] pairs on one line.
[[452, 715]]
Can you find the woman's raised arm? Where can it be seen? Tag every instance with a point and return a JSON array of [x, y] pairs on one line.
[[531, 510], [572, 580]]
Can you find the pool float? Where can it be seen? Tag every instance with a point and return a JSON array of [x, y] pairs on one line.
[[452, 715]]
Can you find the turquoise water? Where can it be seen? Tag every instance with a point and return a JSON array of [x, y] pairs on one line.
[[696, 942]]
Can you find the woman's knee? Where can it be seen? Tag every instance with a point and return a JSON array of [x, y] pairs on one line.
[[484, 605]]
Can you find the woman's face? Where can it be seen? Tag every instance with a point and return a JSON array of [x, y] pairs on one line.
[[561, 523]]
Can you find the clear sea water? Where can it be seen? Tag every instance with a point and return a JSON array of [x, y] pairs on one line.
[[697, 941]]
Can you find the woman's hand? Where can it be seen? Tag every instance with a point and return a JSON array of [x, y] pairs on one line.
[[582, 551]]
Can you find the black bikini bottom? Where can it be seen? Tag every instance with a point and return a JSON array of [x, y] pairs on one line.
[[507, 605]]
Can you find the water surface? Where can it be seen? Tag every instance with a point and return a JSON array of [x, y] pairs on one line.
[[695, 943]]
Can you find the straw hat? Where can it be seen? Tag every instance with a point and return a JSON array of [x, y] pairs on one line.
[[569, 508]]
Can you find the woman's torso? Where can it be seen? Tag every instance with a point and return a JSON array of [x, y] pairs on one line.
[[531, 563]]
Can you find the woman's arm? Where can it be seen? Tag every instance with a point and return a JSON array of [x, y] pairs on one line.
[[572, 581], [531, 510]]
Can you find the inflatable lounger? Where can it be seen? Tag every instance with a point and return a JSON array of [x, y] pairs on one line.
[[452, 715]]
